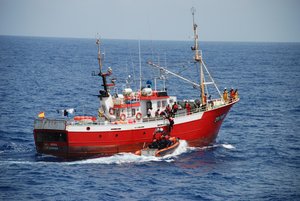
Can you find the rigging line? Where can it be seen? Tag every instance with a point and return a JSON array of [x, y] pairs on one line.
[[185, 68], [126, 65], [205, 85], [211, 78], [133, 68], [170, 72]]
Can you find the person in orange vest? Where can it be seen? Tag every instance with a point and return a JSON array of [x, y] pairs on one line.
[[188, 108], [225, 95]]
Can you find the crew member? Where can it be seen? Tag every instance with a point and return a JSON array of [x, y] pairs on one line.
[[236, 94], [157, 113], [204, 100], [188, 108], [225, 95], [231, 94], [168, 109], [174, 108], [149, 112], [171, 123]]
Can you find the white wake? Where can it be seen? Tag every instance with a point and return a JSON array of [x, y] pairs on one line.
[[122, 158]]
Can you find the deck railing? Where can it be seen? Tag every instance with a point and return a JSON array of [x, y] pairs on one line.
[[60, 124], [50, 124]]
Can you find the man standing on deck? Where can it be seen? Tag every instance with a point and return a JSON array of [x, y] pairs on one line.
[[225, 95]]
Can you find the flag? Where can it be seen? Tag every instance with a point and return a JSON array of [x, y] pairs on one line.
[[41, 115]]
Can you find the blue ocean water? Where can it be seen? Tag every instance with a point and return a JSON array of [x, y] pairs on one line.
[[256, 155]]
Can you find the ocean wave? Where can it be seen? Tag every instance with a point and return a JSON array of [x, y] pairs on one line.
[[122, 158], [12, 147], [226, 146]]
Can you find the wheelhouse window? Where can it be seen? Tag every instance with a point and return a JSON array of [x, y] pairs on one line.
[[158, 104]]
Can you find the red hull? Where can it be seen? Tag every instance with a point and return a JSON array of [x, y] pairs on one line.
[[200, 132]]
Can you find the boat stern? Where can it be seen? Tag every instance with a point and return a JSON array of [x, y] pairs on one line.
[[51, 137]]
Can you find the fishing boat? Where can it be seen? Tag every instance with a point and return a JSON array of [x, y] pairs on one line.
[[127, 120]]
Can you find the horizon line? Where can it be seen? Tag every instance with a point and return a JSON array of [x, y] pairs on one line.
[[175, 40]]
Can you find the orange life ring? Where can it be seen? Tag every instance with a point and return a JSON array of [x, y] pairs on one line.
[[111, 111], [138, 116], [122, 117]]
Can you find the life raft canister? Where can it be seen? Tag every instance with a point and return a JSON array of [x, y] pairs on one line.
[[138, 116], [83, 118], [123, 117]]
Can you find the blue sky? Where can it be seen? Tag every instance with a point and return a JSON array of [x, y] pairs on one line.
[[218, 20]]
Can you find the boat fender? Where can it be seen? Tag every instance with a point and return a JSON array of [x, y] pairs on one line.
[[122, 117], [111, 111], [139, 152], [138, 116]]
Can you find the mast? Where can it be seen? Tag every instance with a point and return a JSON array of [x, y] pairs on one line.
[[140, 65], [103, 93], [198, 56]]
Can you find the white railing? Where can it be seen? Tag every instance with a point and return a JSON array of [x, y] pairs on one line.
[[50, 124], [61, 124]]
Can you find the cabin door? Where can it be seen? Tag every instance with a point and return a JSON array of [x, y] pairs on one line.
[[149, 105]]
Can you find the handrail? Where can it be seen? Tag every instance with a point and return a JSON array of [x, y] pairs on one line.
[[180, 113], [50, 124]]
